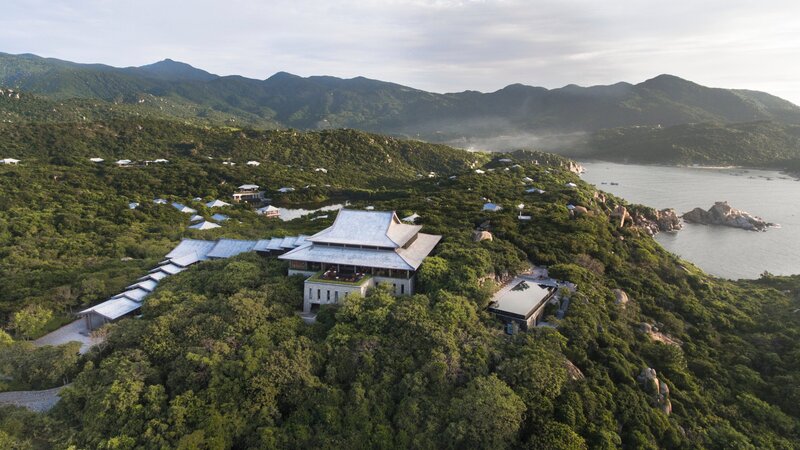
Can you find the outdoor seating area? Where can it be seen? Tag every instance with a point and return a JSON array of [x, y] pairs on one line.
[[346, 277]]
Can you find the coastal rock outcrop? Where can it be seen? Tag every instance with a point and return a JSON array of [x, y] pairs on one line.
[[650, 220], [723, 214]]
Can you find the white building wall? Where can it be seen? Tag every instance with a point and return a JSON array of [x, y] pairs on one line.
[[401, 286], [317, 293]]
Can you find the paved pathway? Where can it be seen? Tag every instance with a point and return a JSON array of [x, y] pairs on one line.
[[38, 401], [75, 331]]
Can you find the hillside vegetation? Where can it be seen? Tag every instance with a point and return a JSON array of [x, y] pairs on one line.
[[65, 222], [219, 359], [755, 144]]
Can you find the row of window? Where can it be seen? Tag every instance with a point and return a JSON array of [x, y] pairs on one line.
[[336, 293]]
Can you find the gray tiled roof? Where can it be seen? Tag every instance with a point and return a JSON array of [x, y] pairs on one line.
[[368, 228], [191, 246], [227, 248], [402, 259]]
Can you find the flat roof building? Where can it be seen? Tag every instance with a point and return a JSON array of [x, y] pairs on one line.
[[523, 304]]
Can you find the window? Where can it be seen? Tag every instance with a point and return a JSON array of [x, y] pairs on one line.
[[329, 296], [394, 288], [319, 295], [310, 293], [402, 289], [336, 296]]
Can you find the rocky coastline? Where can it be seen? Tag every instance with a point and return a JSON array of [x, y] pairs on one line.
[[650, 220], [723, 214]]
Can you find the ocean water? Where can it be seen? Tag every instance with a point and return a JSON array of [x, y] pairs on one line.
[[721, 251]]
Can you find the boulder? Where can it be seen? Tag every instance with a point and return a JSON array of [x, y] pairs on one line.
[[621, 213], [724, 215], [478, 236], [621, 296], [580, 211], [573, 372]]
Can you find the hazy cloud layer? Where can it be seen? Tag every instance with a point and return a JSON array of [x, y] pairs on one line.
[[437, 45]]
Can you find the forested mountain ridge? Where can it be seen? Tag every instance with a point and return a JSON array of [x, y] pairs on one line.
[[754, 144], [324, 102]]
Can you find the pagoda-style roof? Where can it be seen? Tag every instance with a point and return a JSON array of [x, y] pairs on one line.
[[367, 228], [367, 238]]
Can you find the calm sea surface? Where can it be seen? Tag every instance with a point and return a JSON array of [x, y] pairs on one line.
[[721, 251]]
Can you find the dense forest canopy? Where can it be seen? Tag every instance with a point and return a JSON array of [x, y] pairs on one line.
[[220, 359]]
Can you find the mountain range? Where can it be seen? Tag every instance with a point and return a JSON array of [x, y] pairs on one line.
[[512, 117]]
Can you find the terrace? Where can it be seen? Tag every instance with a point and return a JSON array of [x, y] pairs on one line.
[[332, 276]]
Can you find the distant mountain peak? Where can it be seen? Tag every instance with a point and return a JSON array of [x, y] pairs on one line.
[[169, 69], [278, 76], [666, 79]]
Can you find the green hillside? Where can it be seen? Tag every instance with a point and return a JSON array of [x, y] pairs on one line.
[[755, 144], [219, 359]]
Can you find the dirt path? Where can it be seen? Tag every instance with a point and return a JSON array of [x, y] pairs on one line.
[[39, 401]]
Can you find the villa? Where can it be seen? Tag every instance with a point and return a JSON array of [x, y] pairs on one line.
[[360, 250], [269, 211], [248, 193], [523, 304]]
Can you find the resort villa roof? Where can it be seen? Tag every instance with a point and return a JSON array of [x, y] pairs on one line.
[[523, 299], [492, 207], [196, 218], [249, 187], [220, 217], [204, 225], [183, 208], [390, 244], [187, 259], [113, 308], [267, 210], [96, 160], [227, 248], [148, 285], [217, 203], [366, 228], [136, 294], [188, 246], [155, 276]]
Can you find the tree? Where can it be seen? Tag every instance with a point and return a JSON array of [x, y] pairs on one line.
[[30, 321], [555, 436], [487, 414]]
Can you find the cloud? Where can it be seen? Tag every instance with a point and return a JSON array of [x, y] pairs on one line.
[[439, 45]]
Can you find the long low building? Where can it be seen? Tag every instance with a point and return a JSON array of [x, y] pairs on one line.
[[187, 253], [360, 250]]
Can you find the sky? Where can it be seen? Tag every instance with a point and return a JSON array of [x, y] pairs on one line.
[[435, 45]]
